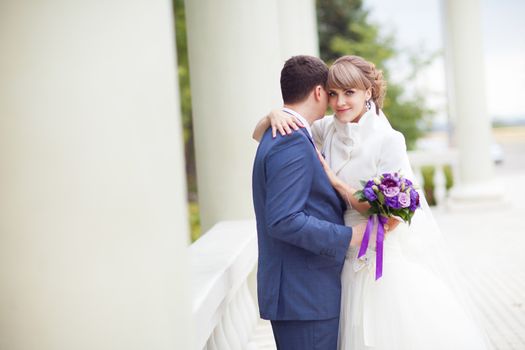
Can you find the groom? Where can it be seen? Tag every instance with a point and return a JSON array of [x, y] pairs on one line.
[[301, 234]]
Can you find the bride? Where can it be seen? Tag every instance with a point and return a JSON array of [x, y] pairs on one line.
[[418, 303]]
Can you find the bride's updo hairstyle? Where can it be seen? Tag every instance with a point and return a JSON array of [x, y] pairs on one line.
[[354, 72]]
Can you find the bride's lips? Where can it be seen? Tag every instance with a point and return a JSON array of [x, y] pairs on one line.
[[343, 110]]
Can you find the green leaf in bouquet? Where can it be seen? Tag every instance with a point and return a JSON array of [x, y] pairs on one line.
[[363, 183], [381, 197], [399, 213], [372, 211], [360, 196]]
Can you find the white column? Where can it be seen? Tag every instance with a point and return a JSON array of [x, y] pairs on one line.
[[93, 218], [463, 44], [234, 69], [298, 28]]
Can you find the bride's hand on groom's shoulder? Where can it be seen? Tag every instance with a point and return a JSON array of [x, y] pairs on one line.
[[283, 122], [278, 120]]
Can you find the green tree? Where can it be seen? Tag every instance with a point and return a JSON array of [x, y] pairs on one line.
[[186, 112], [184, 87], [345, 29]]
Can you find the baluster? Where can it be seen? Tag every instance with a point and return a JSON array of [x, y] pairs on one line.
[[244, 303], [238, 320], [230, 331], [419, 177], [210, 344], [252, 309], [219, 337], [440, 190], [455, 173], [250, 313]]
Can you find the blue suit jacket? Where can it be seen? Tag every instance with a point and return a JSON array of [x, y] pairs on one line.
[[301, 234]]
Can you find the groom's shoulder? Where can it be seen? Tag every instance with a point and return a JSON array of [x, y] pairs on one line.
[[293, 137], [296, 139]]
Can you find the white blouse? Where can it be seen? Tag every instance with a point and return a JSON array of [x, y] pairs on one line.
[[360, 151]]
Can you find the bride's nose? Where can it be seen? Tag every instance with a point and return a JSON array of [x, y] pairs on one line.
[[340, 101]]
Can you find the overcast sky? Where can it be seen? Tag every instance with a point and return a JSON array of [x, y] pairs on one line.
[[418, 23]]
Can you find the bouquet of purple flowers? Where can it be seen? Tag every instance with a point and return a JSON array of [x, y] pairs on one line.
[[389, 195]]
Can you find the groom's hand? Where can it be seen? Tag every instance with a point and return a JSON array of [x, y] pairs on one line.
[[357, 234]]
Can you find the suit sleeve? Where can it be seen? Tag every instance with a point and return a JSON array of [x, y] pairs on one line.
[[289, 178]]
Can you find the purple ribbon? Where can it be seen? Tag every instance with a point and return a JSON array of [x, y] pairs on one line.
[[379, 242]]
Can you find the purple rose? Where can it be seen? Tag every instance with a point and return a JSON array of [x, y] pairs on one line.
[[390, 182], [391, 191], [395, 177], [370, 194], [393, 202], [370, 183], [389, 185], [404, 200], [414, 200]]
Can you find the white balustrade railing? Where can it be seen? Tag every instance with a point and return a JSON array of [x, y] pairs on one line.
[[438, 159], [223, 267]]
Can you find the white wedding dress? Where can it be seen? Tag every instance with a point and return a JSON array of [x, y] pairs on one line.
[[413, 305]]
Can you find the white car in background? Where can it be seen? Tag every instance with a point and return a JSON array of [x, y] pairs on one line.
[[496, 153]]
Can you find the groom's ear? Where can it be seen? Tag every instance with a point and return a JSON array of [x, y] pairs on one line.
[[318, 92]]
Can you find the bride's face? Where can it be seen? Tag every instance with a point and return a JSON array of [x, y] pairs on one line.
[[349, 105]]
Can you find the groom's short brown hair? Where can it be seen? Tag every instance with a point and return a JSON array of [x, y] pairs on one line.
[[300, 75]]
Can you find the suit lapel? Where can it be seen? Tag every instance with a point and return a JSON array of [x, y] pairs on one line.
[[308, 136]]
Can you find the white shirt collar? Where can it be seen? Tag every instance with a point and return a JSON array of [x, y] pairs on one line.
[[301, 119]]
